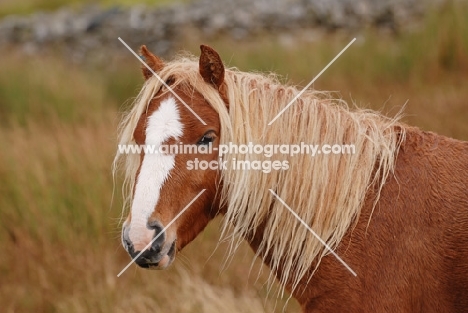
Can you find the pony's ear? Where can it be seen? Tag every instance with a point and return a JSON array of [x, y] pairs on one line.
[[211, 66], [154, 62]]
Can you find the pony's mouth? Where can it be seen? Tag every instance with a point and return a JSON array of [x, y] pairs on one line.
[[159, 262]]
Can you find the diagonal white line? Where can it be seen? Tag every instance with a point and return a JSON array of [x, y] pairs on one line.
[[313, 233], [311, 82], [163, 82], [161, 232]]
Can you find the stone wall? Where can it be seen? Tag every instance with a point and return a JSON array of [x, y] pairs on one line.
[[91, 27]]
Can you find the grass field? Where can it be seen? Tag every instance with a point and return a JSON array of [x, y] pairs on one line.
[[8, 7], [59, 228]]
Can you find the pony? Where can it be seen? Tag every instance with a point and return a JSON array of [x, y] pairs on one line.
[[395, 210]]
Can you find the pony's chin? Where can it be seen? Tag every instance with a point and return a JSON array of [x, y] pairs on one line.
[[164, 263]]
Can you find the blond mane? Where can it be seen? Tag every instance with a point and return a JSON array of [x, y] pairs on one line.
[[326, 191]]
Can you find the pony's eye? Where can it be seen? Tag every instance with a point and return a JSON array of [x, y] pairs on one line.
[[207, 138], [170, 81]]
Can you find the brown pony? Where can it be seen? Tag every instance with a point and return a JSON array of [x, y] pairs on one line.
[[395, 208]]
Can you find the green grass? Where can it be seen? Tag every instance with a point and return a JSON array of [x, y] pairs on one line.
[[58, 231], [10, 7]]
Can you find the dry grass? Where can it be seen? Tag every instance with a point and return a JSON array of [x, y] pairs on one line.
[[60, 240], [59, 235]]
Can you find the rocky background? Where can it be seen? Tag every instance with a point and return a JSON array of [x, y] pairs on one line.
[[92, 27]]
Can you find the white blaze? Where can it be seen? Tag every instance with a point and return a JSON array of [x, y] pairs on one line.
[[164, 123]]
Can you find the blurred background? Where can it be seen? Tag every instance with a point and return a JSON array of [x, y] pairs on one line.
[[65, 79]]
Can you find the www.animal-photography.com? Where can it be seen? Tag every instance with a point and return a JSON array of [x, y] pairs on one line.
[[234, 156]]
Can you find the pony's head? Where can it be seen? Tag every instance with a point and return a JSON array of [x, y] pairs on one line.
[[160, 183], [326, 190]]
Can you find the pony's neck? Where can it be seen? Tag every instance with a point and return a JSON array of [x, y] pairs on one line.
[[326, 190]]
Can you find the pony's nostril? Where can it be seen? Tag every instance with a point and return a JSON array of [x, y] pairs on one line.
[[126, 242], [157, 243], [158, 237], [128, 245], [154, 225]]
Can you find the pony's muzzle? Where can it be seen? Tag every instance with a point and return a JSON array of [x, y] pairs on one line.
[[154, 256]]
